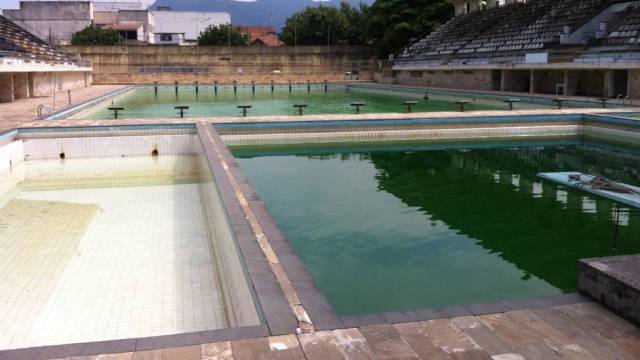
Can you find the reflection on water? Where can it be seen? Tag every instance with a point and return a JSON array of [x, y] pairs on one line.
[[422, 227]]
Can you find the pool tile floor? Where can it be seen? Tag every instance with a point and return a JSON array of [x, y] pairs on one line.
[[68, 256]]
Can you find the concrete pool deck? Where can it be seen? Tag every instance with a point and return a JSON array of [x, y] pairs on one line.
[[566, 327], [23, 111], [577, 331]]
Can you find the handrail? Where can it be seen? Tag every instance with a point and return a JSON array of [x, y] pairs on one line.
[[597, 56], [33, 57], [42, 107]]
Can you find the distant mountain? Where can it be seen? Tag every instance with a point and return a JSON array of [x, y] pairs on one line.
[[247, 12]]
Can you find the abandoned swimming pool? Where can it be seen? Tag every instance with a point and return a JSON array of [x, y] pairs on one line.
[[160, 101], [394, 218], [425, 225]]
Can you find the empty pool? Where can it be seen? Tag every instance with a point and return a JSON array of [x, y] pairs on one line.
[[113, 237]]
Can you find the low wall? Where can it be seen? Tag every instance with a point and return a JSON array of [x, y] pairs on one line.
[[146, 64], [456, 79], [23, 85], [42, 83], [613, 282], [136, 78]]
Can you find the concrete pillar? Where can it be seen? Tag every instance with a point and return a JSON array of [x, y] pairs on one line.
[[21, 85], [502, 80], [6, 88], [30, 84], [565, 81], [608, 83], [531, 81], [634, 83]]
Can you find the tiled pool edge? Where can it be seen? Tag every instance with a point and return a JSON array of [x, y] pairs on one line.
[[278, 315], [453, 311], [321, 313]]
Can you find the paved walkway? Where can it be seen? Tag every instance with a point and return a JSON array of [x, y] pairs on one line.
[[341, 117], [23, 111], [582, 331]]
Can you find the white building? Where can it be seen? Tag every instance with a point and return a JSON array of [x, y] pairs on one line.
[[55, 21], [131, 20], [183, 27], [52, 21]]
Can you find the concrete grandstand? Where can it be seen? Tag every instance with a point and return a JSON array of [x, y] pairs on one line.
[[29, 67], [561, 47]]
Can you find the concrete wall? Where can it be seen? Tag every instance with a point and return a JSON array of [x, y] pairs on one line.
[[458, 79], [105, 17], [16, 86], [516, 80], [585, 82], [545, 81], [43, 83], [126, 64], [21, 85], [591, 83], [6, 88], [634, 83], [54, 21]]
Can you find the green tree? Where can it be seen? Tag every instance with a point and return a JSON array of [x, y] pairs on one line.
[[222, 35], [92, 35], [356, 18], [316, 25], [392, 24]]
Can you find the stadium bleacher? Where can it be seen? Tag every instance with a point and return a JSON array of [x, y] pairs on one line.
[[625, 27], [517, 28], [16, 41]]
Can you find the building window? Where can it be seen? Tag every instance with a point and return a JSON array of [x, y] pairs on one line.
[[166, 37], [130, 35]]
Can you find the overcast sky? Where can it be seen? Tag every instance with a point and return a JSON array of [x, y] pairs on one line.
[[13, 4]]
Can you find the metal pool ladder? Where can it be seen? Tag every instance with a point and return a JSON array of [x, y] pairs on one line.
[[41, 108]]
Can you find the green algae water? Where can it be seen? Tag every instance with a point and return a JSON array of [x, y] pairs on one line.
[[404, 226], [142, 102]]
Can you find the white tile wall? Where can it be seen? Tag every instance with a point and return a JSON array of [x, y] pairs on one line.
[[452, 133], [11, 154], [109, 146]]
